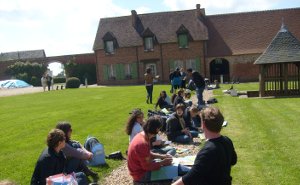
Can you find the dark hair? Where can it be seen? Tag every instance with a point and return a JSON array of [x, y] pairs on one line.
[[180, 106], [152, 125], [189, 70], [180, 92], [148, 70], [164, 94], [65, 127], [54, 137], [212, 118], [173, 98], [132, 119]]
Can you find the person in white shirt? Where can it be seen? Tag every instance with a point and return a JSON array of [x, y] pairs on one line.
[[134, 123]]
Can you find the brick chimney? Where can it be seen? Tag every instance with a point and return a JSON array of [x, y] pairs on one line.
[[198, 11], [133, 18]]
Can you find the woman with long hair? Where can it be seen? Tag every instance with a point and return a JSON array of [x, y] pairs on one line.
[[134, 123]]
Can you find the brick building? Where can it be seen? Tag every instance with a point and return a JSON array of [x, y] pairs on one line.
[[225, 44]]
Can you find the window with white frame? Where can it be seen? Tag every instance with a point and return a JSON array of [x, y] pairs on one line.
[[109, 46], [148, 41], [112, 72], [127, 71], [178, 63], [190, 63]]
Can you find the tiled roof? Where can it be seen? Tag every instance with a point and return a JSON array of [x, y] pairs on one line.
[[163, 25], [283, 48], [248, 32], [32, 54]]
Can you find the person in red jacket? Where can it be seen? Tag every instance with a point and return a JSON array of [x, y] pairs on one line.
[[140, 159]]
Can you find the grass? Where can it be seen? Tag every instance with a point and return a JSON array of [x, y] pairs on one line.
[[264, 131]]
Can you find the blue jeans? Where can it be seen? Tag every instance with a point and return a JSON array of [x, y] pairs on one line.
[[199, 92], [194, 133], [149, 93], [165, 150], [184, 139], [81, 178]]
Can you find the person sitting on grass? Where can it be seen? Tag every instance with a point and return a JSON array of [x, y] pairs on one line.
[[192, 118], [140, 159], [52, 160], [134, 123], [177, 131], [76, 154], [213, 162], [163, 101], [179, 98], [159, 146]]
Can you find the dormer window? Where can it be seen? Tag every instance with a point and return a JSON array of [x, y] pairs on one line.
[[183, 36], [148, 43], [183, 40], [109, 47], [110, 43]]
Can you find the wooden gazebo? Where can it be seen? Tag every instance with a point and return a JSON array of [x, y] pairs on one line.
[[279, 66]]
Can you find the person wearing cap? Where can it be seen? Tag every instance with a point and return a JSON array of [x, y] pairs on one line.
[[213, 162]]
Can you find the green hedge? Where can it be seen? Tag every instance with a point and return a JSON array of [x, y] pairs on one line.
[[58, 80], [72, 82]]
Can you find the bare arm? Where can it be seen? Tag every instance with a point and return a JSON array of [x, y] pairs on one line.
[[178, 182]]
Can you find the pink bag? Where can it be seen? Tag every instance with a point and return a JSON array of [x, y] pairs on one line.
[[62, 179]]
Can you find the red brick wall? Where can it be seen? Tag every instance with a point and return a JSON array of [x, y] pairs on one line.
[[162, 54], [240, 66]]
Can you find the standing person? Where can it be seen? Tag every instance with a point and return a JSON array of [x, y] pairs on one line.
[[213, 162], [52, 160], [44, 82], [76, 154], [183, 78], [149, 84], [200, 86], [134, 123], [49, 81], [170, 79], [176, 79], [140, 159]]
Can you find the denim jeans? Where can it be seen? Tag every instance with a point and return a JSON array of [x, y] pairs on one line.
[[199, 92], [149, 93], [165, 150], [184, 139], [81, 178]]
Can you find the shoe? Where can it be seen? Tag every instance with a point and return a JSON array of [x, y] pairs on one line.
[[147, 101]]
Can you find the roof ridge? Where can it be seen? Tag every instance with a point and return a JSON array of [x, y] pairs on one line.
[[257, 11]]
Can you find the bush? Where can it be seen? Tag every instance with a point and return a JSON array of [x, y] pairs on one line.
[[58, 80], [72, 82], [35, 81]]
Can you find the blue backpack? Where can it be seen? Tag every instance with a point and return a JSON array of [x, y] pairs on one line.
[[93, 145]]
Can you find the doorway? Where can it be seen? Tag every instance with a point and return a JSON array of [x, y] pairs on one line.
[[219, 68]]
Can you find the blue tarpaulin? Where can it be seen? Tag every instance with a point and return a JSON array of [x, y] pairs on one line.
[[8, 84]]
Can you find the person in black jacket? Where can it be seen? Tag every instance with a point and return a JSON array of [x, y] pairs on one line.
[[213, 162], [200, 86], [52, 160], [179, 99], [192, 119], [176, 128]]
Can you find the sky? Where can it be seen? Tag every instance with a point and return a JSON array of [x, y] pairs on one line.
[[63, 27]]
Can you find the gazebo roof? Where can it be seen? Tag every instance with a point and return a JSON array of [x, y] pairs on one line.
[[283, 48]]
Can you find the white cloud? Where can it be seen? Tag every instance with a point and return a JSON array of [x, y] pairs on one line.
[[58, 26]]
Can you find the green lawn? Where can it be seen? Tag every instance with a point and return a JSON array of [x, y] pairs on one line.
[[264, 131]]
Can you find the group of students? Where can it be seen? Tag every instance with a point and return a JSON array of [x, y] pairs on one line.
[[212, 164], [63, 155]]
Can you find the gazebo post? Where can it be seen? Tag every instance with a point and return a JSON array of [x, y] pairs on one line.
[[285, 77], [262, 81]]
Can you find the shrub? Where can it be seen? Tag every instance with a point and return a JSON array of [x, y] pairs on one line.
[[72, 82], [35, 81], [59, 80], [24, 77]]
